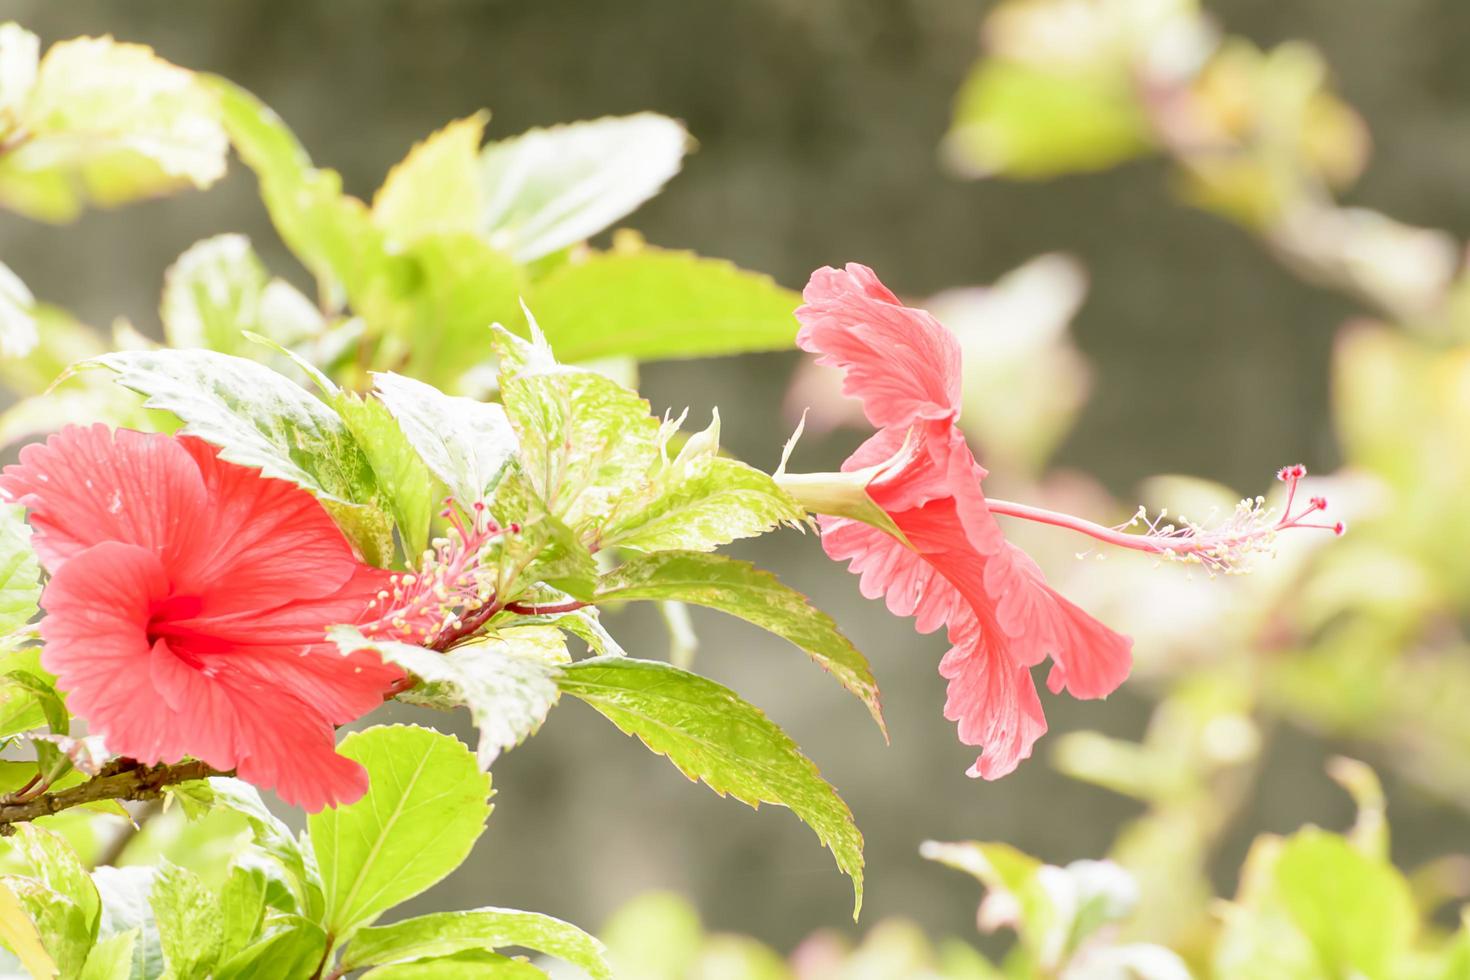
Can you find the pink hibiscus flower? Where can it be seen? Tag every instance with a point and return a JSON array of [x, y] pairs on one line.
[[956, 569], [187, 608]]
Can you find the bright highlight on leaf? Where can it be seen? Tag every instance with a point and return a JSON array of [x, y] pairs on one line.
[[99, 122]]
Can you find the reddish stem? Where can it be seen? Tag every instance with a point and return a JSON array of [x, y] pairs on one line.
[[555, 609]]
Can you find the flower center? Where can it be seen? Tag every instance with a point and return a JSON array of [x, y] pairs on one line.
[[169, 620]]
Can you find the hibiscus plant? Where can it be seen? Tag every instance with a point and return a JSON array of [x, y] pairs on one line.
[[425, 484]]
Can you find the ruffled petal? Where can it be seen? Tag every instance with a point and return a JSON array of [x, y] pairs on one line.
[[992, 699], [84, 486], [340, 687], [96, 631], [990, 695], [270, 542], [1090, 660], [902, 363], [284, 744]]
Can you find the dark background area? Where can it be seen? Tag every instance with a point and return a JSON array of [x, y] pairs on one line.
[[817, 122]]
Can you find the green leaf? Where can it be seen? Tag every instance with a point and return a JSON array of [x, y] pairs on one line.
[[292, 947], [544, 550], [1357, 911], [61, 923], [125, 910], [435, 306], [585, 439], [331, 233], [257, 417], [19, 933], [508, 687], [18, 333], [711, 734], [50, 860], [263, 420], [756, 596], [445, 933], [20, 572], [104, 123], [374, 853], [656, 935], [435, 188], [219, 289], [1033, 121], [190, 923], [652, 303], [111, 958], [465, 443], [549, 188], [401, 475], [242, 908], [268, 832], [471, 965], [698, 501]]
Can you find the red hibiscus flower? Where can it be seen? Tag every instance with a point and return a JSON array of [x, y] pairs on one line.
[[957, 569], [187, 608]]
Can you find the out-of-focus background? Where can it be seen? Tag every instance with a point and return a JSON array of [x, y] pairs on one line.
[[819, 126]]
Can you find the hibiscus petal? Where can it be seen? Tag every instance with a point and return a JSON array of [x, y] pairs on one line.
[[270, 542], [991, 696], [901, 362], [1090, 660], [287, 746], [339, 687], [84, 486], [993, 700], [97, 608]]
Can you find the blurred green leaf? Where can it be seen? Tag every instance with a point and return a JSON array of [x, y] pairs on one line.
[[242, 908], [373, 854], [101, 122], [549, 188], [444, 933], [219, 289], [18, 334], [651, 303], [126, 911], [434, 306], [111, 958], [290, 947], [21, 935], [711, 734], [435, 188], [1030, 121], [20, 571], [740, 589], [1357, 911], [469, 965], [64, 928], [190, 924], [331, 233], [657, 935]]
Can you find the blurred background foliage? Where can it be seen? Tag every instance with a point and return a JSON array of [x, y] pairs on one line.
[[1218, 241]]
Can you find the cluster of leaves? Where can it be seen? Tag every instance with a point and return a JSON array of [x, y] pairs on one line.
[[376, 397], [1258, 137], [282, 904], [1310, 906]]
